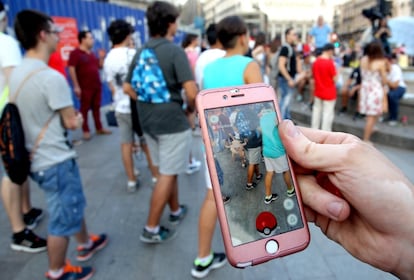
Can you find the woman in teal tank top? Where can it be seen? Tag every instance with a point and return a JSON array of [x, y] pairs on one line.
[[234, 68]]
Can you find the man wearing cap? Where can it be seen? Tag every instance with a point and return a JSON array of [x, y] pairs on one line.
[[324, 75], [16, 199]]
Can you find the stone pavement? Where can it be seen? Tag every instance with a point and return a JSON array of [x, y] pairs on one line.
[[122, 215]]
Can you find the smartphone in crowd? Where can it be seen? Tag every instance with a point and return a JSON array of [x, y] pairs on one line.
[[262, 220]]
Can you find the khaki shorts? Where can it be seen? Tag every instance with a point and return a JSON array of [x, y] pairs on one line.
[[170, 152], [254, 155], [278, 165], [125, 127]]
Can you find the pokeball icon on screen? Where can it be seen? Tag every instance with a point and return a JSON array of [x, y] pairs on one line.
[[266, 222]]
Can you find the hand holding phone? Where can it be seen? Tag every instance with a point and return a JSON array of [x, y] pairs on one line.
[[264, 218]]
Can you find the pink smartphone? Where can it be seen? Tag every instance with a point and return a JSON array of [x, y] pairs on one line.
[[259, 205]]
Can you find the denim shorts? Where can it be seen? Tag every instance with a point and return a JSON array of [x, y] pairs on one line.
[[64, 196]]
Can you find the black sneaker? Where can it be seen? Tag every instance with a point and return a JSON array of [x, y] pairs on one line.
[[175, 220], [226, 199], [98, 243], [28, 242], [32, 218], [259, 177], [250, 187], [199, 271], [271, 198], [164, 234], [343, 110]]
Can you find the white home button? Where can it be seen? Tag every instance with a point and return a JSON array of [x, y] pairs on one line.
[[272, 247]]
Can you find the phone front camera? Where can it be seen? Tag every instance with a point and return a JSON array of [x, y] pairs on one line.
[[225, 97]]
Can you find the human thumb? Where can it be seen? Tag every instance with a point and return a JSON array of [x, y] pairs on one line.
[[310, 148]]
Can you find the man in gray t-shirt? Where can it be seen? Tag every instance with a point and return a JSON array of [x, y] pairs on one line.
[[40, 99], [165, 124], [44, 101], [16, 198]]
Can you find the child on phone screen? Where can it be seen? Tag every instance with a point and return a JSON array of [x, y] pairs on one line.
[[274, 154]]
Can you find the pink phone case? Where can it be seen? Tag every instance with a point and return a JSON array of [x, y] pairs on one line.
[[258, 247]]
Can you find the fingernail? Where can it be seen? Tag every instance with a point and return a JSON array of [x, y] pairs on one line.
[[292, 130], [335, 209]]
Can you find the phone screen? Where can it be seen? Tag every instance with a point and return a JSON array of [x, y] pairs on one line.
[[253, 171]]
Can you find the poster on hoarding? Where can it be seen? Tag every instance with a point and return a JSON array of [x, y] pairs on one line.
[[68, 38]]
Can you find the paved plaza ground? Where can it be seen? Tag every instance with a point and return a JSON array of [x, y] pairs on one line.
[[122, 215]]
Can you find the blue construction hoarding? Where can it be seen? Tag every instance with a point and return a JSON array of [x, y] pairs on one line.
[[90, 15]]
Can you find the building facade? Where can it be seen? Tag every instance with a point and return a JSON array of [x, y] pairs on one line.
[[273, 16]]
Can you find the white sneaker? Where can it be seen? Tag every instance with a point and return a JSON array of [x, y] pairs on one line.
[[193, 167], [131, 186]]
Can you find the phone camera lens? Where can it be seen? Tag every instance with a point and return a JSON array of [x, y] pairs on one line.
[[225, 97]]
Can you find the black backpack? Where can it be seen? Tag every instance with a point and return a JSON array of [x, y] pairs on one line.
[[15, 156]]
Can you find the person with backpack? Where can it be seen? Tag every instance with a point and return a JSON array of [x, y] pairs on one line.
[[158, 73], [287, 65], [16, 197], [46, 108]]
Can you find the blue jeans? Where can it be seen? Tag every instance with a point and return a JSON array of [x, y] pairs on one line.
[[64, 196], [285, 93], [394, 96]]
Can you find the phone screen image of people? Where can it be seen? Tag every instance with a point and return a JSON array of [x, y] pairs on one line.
[[256, 174]]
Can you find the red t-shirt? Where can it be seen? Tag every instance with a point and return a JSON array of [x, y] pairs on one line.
[[324, 72], [87, 68], [56, 62]]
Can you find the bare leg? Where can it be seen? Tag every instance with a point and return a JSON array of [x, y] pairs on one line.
[[151, 166], [160, 196], [256, 170], [173, 201], [206, 224], [369, 127], [268, 183], [288, 181], [82, 236], [126, 151], [12, 201], [250, 172], [26, 205], [57, 247]]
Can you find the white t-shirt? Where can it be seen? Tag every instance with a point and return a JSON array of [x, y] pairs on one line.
[[396, 75], [116, 67], [205, 58], [9, 56]]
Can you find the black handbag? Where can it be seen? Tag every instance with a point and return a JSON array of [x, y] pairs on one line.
[[110, 118]]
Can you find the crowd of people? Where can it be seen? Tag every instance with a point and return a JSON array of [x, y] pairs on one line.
[[356, 219], [317, 67]]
